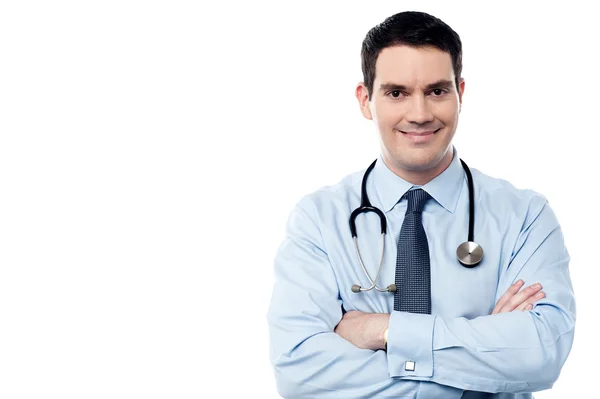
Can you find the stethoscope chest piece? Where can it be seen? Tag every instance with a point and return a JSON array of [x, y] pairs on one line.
[[469, 254]]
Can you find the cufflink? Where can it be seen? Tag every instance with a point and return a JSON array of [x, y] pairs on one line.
[[409, 365]]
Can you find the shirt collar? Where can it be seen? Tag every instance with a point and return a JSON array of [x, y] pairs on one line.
[[444, 188]]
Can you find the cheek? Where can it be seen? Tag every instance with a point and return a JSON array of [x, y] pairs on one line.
[[448, 113], [388, 115]]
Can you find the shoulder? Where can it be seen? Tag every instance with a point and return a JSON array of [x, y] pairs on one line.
[[514, 203], [495, 186], [334, 197], [322, 208]]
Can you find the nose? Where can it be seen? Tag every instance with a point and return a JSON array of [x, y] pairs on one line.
[[419, 111]]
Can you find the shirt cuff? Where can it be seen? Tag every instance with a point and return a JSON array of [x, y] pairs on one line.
[[410, 345]]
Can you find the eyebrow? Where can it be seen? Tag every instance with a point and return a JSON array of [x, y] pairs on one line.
[[440, 84]]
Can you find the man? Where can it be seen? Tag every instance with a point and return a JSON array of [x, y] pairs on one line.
[[446, 331]]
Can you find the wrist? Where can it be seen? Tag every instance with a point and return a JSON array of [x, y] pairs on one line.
[[385, 339], [381, 335]]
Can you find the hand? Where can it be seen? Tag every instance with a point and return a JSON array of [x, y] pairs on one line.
[[515, 300], [363, 330]]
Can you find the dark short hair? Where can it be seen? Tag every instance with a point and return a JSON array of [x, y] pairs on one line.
[[411, 28]]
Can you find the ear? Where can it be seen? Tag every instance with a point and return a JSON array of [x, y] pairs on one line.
[[362, 95], [461, 90]]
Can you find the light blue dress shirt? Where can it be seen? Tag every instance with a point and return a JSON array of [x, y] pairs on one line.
[[460, 346]]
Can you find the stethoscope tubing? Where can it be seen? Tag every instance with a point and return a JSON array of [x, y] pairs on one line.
[[469, 253]]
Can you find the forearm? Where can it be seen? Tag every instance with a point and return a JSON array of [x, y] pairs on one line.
[[508, 352], [327, 366], [309, 359], [505, 352]]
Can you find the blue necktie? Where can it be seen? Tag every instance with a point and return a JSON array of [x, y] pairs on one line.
[[413, 273], [413, 276]]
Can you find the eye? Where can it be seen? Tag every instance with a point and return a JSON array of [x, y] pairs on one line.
[[439, 92], [395, 93]]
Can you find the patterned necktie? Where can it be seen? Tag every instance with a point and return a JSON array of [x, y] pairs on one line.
[[413, 274], [413, 278]]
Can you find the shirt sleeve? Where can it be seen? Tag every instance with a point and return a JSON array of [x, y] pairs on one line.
[[519, 351], [308, 358]]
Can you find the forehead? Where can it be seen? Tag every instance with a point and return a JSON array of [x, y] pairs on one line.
[[413, 65]]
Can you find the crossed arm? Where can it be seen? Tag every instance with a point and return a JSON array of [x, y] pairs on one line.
[[366, 330], [318, 352]]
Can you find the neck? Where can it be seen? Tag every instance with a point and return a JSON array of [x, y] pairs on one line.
[[422, 177]]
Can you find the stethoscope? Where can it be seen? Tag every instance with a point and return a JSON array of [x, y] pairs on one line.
[[469, 253]]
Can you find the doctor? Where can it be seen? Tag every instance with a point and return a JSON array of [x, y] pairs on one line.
[[447, 330]]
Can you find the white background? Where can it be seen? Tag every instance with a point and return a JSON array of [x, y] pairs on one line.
[[150, 153]]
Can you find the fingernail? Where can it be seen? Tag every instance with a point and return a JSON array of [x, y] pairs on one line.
[[536, 286], [529, 307], [539, 295], [518, 282]]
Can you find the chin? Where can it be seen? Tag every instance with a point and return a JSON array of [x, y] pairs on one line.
[[423, 160]]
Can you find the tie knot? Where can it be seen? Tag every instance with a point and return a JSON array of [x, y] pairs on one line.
[[416, 200]]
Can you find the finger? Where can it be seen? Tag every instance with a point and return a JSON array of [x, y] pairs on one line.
[[536, 297], [528, 305], [521, 297], [510, 292], [524, 295], [529, 294], [524, 306]]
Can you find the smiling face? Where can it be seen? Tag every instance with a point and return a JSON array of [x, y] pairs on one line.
[[415, 105]]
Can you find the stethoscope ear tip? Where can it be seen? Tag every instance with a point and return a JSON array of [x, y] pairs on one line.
[[355, 288], [391, 288]]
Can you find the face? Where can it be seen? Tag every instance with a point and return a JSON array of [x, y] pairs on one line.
[[415, 105]]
